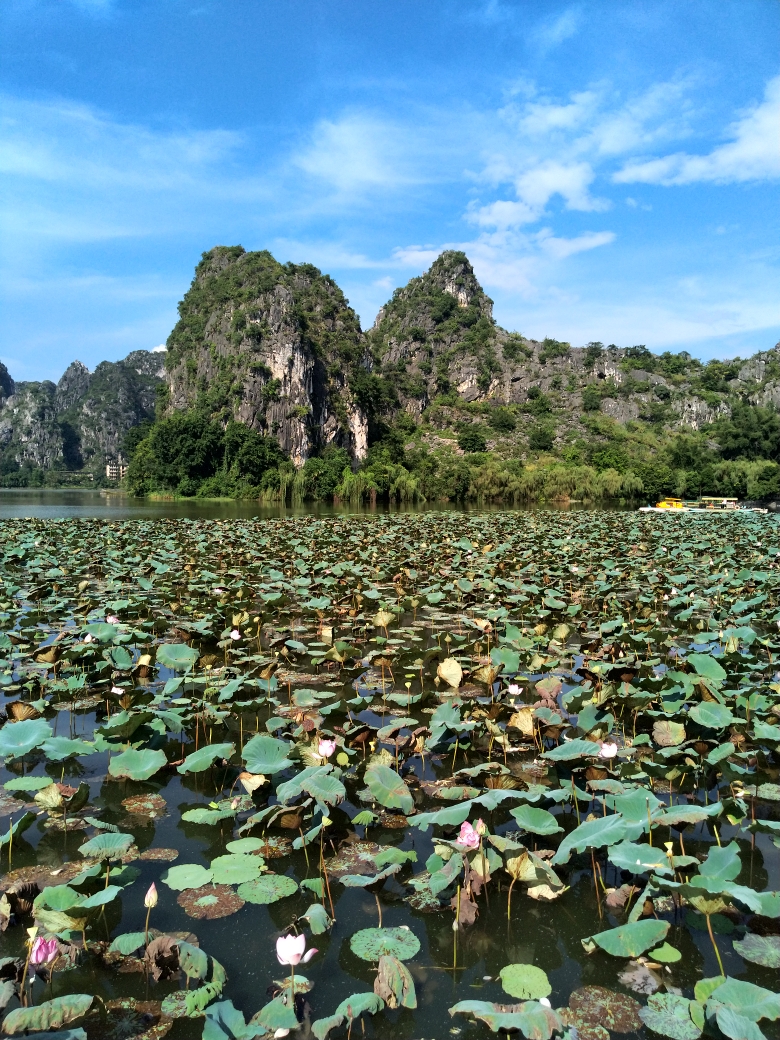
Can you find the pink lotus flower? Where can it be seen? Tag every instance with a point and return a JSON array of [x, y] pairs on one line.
[[112, 619], [608, 750], [325, 748], [291, 949], [150, 899], [44, 950], [88, 638], [514, 689], [235, 634], [468, 836]]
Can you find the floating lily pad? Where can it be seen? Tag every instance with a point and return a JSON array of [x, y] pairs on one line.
[[598, 1005], [268, 888], [210, 902], [137, 765], [372, 943], [525, 981], [186, 876], [235, 868], [152, 805], [159, 855]]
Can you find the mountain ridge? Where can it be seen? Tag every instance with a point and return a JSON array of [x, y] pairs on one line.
[[277, 349]]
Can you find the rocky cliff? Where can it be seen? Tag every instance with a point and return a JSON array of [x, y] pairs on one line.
[[275, 346], [80, 422]]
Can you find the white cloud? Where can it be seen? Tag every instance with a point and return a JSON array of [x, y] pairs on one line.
[[358, 152], [560, 248], [753, 153]]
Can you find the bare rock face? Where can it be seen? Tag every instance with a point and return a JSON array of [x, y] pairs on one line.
[[274, 346], [696, 413], [80, 422]]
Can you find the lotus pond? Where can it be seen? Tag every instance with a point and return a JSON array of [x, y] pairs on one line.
[[420, 775]]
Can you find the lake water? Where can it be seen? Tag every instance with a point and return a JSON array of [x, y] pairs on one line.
[[49, 504]]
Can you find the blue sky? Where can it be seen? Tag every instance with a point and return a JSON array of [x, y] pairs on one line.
[[611, 168]]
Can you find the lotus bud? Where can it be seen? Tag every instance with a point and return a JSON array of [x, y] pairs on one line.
[[150, 899], [44, 951], [325, 748], [481, 828]]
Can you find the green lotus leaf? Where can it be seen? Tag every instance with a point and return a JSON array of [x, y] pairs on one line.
[[318, 919], [137, 764], [209, 817], [722, 864], [108, 845], [265, 754], [246, 845], [372, 943], [572, 749], [667, 733], [760, 949], [204, 757], [51, 1014], [186, 875], [679, 814], [665, 954], [752, 1002], [525, 981], [177, 656], [711, 715], [631, 940], [536, 821], [57, 749], [28, 783], [451, 816], [277, 1014], [394, 983], [388, 788], [348, 1010], [101, 631], [593, 834], [366, 880], [639, 859], [668, 1014], [234, 869], [530, 1019], [706, 666], [735, 1026], [19, 738], [225, 1022], [128, 943], [268, 888]]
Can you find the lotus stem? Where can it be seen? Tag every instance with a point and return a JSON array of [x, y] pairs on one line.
[[292, 986], [305, 850], [574, 799], [146, 926], [509, 899], [649, 824], [379, 907], [714, 944], [595, 881]]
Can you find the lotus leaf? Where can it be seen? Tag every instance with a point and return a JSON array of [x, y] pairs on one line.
[[706, 666], [593, 834], [711, 715], [204, 757], [235, 868], [388, 788], [760, 949], [348, 1010], [18, 738], [137, 764], [572, 750], [186, 875], [668, 1014], [51, 1014], [372, 943], [318, 919], [177, 656], [752, 1002], [107, 846], [535, 821], [525, 981], [265, 754], [529, 1018], [631, 940], [269, 888], [394, 983], [128, 943]]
